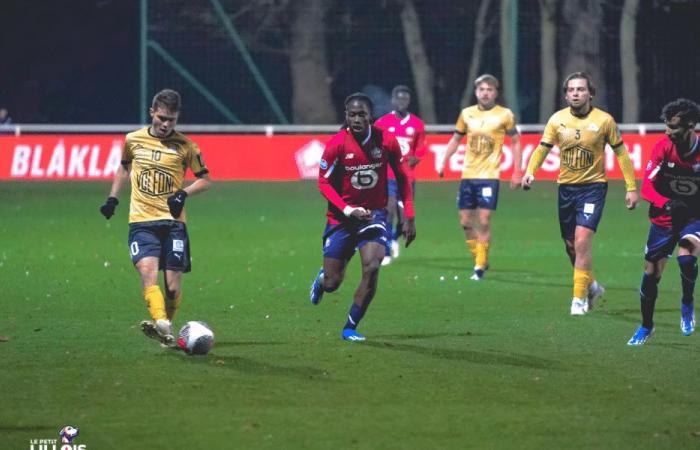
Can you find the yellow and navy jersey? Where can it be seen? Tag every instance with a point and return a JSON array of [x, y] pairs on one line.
[[581, 142], [158, 167], [485, 130]]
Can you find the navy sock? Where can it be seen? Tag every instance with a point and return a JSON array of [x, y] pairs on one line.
[[354, 316], [689, 273], [648, 292]]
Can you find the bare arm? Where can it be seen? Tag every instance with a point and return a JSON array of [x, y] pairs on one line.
[[201, 184], [451, 149], [517, 177], [121, 177]]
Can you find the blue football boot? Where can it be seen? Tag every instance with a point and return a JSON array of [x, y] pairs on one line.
[[687, 320], [316, 293], [641, 336], [352, 335]]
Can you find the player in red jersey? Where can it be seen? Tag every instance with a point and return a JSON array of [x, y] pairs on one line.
[[353, 177], [409, 131], [672, 187]]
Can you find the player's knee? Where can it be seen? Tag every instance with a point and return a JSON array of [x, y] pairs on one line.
[[370, 268], [569, 246], [690, 243], [172, 293], [331, 282]]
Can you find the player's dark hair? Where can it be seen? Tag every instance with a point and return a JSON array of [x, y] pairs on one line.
[[168, 99], [687, 111], [582, 76], [488, 79], [361, 97], [401, 88]]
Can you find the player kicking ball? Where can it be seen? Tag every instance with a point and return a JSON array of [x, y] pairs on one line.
[[353, 178], [155, 159], [672, 187]]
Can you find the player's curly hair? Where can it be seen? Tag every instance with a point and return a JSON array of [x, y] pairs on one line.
[[168, 99], [582, 76], [687, 111], [359, 96]]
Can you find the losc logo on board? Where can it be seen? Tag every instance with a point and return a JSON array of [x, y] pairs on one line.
[[67, 434], [307, 159]]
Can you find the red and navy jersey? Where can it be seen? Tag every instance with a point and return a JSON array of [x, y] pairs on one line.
[[409, 132], [668, 176], [354, 174]]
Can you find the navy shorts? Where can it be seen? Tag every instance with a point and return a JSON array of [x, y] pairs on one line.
[[341, 240], [662, 240], [165, 239], [474, 193], [580, 205]]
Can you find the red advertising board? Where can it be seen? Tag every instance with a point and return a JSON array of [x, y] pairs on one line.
[[252, 157]]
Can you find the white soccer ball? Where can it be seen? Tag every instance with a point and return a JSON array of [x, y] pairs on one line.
[[196, 338]]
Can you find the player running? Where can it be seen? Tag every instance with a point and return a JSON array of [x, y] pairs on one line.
[[353, 177], [156, 158], [409, 131], [582, 131], [672, 187], [486, 125]]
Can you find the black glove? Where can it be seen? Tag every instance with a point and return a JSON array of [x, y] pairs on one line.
[[678, 210], [675, 207], [176, 202], [107, 209]]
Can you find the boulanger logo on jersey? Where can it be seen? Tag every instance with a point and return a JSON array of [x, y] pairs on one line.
[[66, 434], [155, 182], [577, 158]]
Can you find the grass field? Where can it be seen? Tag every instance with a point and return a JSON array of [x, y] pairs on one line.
[[448, 364]]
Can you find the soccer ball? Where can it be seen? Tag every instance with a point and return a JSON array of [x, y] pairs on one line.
[[196, 338]]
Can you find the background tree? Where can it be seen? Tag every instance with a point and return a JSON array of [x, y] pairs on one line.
[[509, 54], [629, 66], [483, 28], [418, 57], [549, 78], [579, 42], [308, 64]]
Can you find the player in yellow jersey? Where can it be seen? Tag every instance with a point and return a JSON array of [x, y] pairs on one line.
[[581, 131], [155, 158], [486, 124]]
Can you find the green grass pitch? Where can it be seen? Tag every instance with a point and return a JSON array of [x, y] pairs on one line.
[[448, 364]]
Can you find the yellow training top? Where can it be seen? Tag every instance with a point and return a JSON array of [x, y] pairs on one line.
[[158, 169], [485, 132], [581, 142]]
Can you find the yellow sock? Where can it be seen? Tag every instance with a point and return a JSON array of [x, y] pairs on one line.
[[171, 306], [582, 278], [482, 254], [155, 302], [471, 244]]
